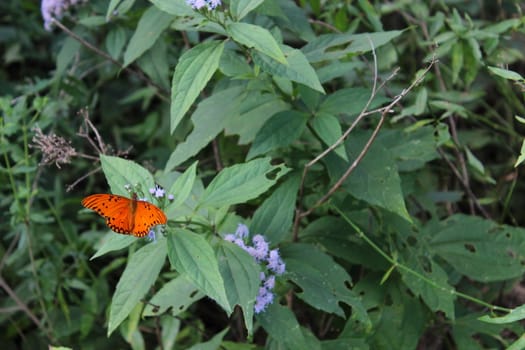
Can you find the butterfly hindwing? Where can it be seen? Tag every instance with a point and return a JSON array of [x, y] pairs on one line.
[[146, 216]]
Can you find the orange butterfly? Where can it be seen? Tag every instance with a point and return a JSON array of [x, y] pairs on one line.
[[125, 215]]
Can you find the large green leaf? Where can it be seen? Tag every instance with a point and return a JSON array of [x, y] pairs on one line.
[[375, 180], [274, 217], [438, 298], [240, 8], [192, 73], [256, 37], [209, 119], [280, 130], [120, 172], [349, 101], [256, 108], [335, 46], [182, 187], [141, 272], [186, 292], [241, 182], [152, 23], [480, 249], [113, 242], [174, 7], [280, 324], [412, 149], [192, 255], [298, 68], [328, 128], [241, 279], [323, 282]]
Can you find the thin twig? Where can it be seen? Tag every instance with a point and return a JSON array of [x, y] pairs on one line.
[[23, 306]]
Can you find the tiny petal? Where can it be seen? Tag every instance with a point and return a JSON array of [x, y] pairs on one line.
[[213, 4], [171, 197], [159, 192], [152, 236], [261, 247], [152, 190], [262, 276], [270, 282], [230, 237], [242, 231], [240, 243], [275, 262]]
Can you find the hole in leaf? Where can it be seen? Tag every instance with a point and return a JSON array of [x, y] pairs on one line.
[[426, 264], [412, 241], [273, 174], [470, 247]]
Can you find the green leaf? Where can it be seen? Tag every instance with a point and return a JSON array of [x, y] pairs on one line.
[[240, 8], [506, 73], [514, 315], [241, 182], [182, 187], [118, 6], [194, 70], [280, 130], [280, 324], [209, 120], [67, 53], [521, 157], [212, 344], [141, 272], [375, 180], [187, 293], [437, 298], [257, 108], [112, 242], [480, 249], [154, 63], [151, 25], [335, 46], [297, 69], [174, 7], [256, 37], [349, 101], [323, 282], [121, 172], [241, 278], [274, 217], [115, 41], [328, 128], [192, 255], [412, 149]]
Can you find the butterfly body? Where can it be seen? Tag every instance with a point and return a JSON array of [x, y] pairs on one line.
[[126, 215]]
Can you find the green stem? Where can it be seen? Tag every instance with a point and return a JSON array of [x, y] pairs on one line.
[[396, 263]]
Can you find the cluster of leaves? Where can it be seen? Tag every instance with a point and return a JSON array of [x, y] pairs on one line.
[[374, 144]]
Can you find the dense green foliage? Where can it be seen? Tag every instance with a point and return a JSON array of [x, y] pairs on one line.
[[375, 144]]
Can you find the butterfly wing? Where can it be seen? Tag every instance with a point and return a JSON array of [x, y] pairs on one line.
[[146, 216], [117, 210]]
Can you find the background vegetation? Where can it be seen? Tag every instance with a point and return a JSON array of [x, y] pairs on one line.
[[375, 144]]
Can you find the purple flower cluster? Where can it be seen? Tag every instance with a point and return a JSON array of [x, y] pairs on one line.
[[198, 4], [260, 250], [54, 9]]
